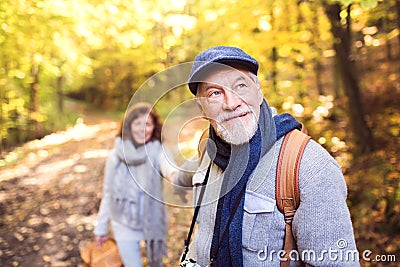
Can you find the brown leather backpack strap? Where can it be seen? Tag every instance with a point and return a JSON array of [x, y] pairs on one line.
[[287, 183]]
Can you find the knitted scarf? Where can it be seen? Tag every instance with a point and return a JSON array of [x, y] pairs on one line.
[[144, 159], [238, 162]]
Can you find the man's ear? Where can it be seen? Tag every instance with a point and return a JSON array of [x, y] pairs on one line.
[[260, 95]]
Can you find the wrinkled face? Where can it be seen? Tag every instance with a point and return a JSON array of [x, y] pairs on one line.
[[142, 129], [230, 99]]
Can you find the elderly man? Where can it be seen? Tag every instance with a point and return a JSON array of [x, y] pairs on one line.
[[238, 220]]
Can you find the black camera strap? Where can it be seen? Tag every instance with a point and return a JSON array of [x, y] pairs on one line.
[[196, 213]]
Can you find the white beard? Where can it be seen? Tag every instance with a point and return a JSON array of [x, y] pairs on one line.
[[240, 132]]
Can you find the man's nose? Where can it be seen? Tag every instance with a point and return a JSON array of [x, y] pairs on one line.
[[232, 100]]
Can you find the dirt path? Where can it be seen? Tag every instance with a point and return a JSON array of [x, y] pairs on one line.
[[49, 200]]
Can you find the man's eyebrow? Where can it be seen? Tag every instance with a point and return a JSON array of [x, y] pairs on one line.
[[208, 85], [240, 78]]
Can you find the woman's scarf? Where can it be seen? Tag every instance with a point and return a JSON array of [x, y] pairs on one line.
[[144, 159], [238, 162]]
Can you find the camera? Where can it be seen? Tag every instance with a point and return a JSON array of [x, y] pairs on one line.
[[189, 263]]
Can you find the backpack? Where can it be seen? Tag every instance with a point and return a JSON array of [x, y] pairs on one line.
[[287, 183]]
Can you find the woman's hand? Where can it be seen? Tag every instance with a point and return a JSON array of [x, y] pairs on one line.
[[100, 240]]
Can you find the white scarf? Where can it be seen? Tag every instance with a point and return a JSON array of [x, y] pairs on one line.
[[145, 160]]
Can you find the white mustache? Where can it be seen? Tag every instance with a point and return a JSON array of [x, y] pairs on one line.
[[241, 111]]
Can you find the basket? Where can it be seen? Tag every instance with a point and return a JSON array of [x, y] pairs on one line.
[[106, 256]]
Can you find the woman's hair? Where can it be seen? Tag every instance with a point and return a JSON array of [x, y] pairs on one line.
[[133, 113]]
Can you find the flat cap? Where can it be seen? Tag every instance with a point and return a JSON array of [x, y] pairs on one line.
[[227, 55]]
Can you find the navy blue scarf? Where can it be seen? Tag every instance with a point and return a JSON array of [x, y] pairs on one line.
[[238, 163]]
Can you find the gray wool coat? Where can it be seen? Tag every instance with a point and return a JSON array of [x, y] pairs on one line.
[[322, 227]]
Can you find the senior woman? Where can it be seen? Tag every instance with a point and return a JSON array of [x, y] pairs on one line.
[[132, 192]]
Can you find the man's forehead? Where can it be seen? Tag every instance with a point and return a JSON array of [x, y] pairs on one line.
[[228, 74]]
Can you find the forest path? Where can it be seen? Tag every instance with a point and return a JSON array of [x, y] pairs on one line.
[[49, 199]]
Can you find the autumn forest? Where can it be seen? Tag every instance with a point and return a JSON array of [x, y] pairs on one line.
[[333, 64]]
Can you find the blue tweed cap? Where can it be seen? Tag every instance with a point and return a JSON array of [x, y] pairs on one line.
[[226, 55]]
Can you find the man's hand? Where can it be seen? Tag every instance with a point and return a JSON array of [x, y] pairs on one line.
[[100, 240]]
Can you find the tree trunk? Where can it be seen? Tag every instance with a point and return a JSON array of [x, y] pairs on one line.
[[398, 22], [318, 68], [60, 96], [274, 72], [2, 119], [274, 57], [362, 134], [34, 107], [318, 76], [337, 84]]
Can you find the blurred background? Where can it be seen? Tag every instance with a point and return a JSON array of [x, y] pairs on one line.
[[69, 69]]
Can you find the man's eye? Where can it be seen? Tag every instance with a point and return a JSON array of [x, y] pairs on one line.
[[214, 93], [242, 85]]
